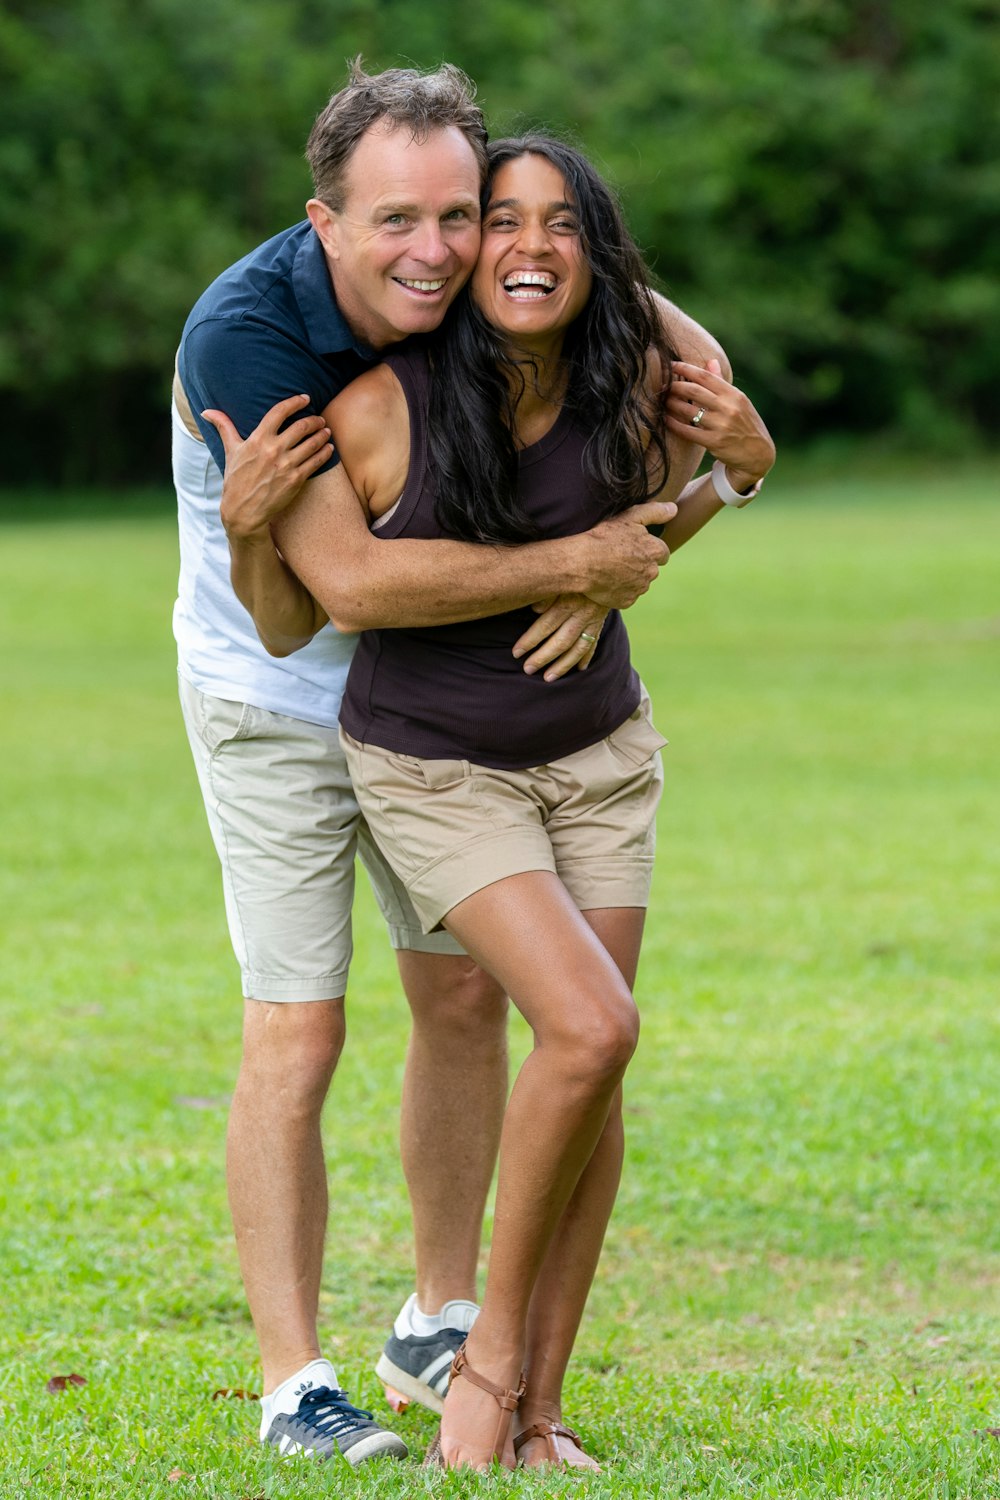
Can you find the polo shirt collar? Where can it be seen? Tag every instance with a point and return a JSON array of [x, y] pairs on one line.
[[326, 327]]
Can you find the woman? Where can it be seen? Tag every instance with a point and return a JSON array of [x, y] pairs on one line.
[[519, 812]]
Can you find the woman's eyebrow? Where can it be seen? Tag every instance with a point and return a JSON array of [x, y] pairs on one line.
[[557, 207]]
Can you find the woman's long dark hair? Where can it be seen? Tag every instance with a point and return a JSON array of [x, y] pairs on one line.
[[476, 381]]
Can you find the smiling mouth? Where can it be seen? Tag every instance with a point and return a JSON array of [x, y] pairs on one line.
[[529, 286], [420, 286]]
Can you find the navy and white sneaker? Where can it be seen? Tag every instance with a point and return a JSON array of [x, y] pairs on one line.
[[310, 1415], [418, 1365]]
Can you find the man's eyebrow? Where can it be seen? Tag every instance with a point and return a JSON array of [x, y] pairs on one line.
[[397, 206]]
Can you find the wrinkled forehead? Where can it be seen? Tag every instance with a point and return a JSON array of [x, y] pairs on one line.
[[390, 162]]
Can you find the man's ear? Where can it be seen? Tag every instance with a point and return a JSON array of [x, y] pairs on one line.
[[324, 221]]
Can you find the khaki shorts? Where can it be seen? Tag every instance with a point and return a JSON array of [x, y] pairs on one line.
[[451, 827], [286, 825]]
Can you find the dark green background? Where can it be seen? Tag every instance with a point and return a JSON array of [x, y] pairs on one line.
[[817, 180]]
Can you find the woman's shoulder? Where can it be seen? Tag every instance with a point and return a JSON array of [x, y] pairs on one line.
[[373, 397], [371, 431]]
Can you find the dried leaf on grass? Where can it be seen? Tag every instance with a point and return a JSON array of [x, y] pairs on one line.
[[176, 1474], [235, 1393], [60, 1382]]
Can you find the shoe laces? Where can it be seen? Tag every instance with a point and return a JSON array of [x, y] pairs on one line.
[[329, 1413]]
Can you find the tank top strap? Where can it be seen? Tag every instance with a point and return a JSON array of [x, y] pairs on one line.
[[411, 367]]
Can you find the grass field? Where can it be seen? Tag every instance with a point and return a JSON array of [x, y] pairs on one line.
[[799, 1295]]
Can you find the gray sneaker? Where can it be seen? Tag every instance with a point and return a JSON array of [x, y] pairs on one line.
[[418, 1365], [325, 1424]]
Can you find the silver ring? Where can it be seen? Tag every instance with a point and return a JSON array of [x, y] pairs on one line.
[[590, 639], [696, 419]]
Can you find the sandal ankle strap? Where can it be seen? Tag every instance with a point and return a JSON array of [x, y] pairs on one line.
[[508, 1400]]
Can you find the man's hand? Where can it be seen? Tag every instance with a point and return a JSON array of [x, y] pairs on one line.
[[566, 634], [729, 425], [622, 558], [265, 472]]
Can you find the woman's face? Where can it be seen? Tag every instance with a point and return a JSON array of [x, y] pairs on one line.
[[532, 278]]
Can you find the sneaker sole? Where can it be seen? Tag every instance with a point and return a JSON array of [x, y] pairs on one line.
[[408, 1385]]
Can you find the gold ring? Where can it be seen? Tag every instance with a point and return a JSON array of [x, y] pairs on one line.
[[696, 419], [590, 639]]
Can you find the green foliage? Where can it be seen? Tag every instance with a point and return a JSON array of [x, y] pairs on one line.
[[816, 180], [798, 1297]]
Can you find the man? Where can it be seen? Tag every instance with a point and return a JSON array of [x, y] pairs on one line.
[[392, 235]]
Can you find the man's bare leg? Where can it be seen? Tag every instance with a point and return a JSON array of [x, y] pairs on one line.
[[276, 1173], [454, 1095]]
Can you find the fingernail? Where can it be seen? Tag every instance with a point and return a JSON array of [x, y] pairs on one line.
[[529, 669], [517, 653]]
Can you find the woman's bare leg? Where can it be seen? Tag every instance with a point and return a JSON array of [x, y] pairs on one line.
[[567, 1272], [527, 932]]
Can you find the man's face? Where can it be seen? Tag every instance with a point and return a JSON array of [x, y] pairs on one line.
[[407, 236]]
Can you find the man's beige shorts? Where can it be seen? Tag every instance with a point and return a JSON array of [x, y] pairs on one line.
[[451, 827], [286, 826]]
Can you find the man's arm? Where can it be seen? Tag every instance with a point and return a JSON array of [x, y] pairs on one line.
[[689, 341], [365, 583]]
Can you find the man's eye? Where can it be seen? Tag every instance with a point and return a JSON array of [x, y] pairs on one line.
[[395, 219], [457, 215]]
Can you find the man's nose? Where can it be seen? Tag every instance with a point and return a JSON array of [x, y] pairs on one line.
[[429, 244]]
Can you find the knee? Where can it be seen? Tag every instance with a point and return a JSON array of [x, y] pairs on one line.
[[602, 1043], [293, 1050], [455, 998]]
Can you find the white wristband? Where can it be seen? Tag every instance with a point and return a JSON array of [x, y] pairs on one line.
[[725, 491]]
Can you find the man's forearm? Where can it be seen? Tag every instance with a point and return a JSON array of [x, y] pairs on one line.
[[395, 584], [364, 582]]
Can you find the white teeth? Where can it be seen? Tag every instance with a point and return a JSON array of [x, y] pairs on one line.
[[529, 278], [422, 286]]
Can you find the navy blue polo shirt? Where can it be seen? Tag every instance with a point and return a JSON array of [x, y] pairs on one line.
[[266, 329]]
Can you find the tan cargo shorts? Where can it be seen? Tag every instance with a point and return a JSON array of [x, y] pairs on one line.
[[451, 827]]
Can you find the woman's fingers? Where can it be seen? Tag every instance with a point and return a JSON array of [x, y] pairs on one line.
[[225, 428], [280, 413]]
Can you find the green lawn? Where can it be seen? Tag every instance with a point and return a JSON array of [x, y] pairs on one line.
[[800, 1291]]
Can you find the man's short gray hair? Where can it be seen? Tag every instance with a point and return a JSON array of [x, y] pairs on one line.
[[404, 97]]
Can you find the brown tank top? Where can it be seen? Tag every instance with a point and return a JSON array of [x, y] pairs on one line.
[[450, 692]]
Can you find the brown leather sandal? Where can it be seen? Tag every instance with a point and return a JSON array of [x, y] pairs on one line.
[[549, 1431], [506, 1400]]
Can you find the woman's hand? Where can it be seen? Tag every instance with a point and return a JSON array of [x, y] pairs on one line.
[[729, 425], [266, 471], [565, 634]]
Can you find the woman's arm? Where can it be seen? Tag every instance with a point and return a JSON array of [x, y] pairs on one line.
[[260, 479], [729, 426], [564, 634]]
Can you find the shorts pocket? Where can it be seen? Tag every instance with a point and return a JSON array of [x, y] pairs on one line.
[[638, 739], [221, 722], [432, 774]]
